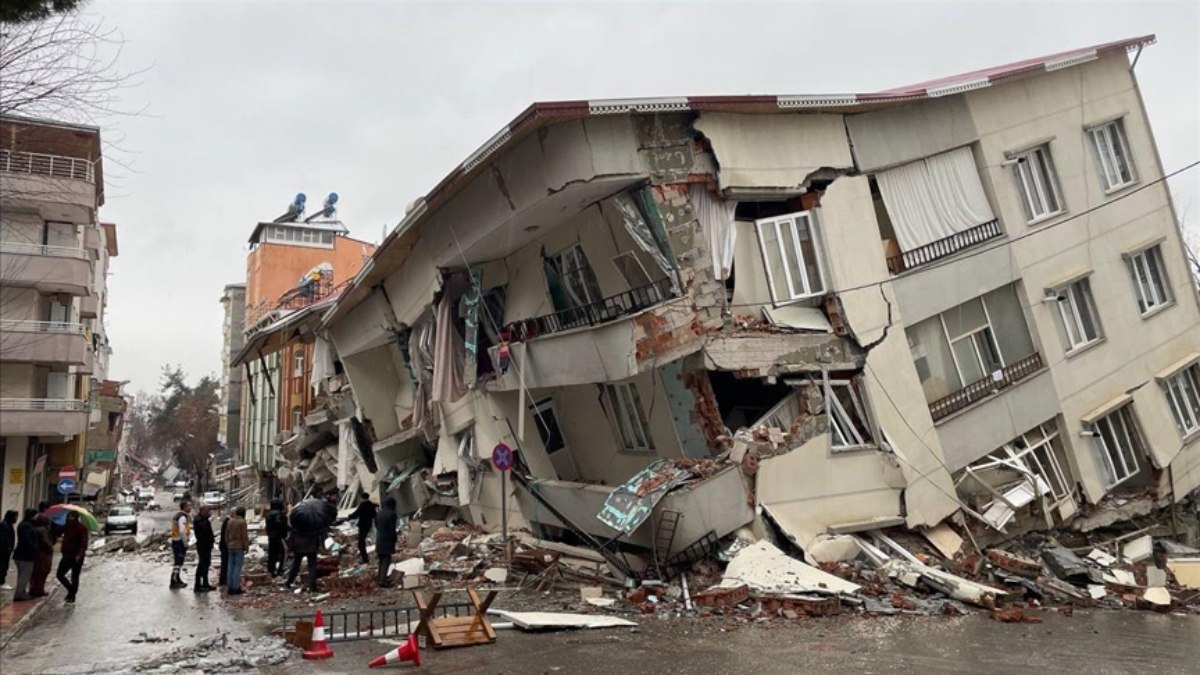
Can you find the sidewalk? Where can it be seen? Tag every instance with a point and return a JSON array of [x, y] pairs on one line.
[[16, 616]]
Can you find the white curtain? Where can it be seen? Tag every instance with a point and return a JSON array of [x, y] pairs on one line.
[[716, 217], [934, 198], [322, 367], [448, 354]]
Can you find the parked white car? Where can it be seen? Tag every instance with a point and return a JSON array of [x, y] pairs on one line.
[[121, 518], [213, 499]]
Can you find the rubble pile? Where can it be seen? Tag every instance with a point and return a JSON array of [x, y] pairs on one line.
[[215, 654]]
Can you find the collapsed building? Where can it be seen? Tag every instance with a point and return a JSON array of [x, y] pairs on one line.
[[811, 315]]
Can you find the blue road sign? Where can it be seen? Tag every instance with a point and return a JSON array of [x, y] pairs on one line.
[[502, 457], [66, 486]]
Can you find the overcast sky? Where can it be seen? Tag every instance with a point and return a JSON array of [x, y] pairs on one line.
[[250, 103]]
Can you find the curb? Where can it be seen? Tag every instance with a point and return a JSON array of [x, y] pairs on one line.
[[15, 630]]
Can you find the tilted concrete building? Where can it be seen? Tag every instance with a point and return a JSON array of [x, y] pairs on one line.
[[829, 313]]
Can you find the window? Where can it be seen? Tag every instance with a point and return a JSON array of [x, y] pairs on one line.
[[545, 418], [298, 363], [632, 270], [1038, 183], [465, 440], [625, 407], [1081, 325], [1118, 442], [1149, 279], [791, 254], [972, 343], [297, 418], [1112, 154], [578, 281], [849, 425], [1183, 397]]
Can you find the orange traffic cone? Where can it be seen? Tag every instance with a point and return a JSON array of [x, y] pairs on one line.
[[405, 652], [319, 650]]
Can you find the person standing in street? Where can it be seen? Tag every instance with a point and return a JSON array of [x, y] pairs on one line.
[[364, 514], [385, 539], [277, 532], [25, 554], [223, 549], [181, 531], [45, 552], [304, 546], [202, 527], [8, 542], [74, 548], [237, 540]]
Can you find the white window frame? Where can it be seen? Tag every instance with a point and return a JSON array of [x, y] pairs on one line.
[[1037, 183], [631, 430], [786, 226], [1026, 462], [1149, 295], [974, 335], [843, 434], [1117, 439], [298, 363], [1108, 141], [1074, 300], [572, 261], [1182, 390], [297, 418]]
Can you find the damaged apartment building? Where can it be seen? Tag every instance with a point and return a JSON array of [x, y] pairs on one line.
[[811, 315]]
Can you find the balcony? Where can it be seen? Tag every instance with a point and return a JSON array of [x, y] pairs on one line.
[[989, 386], [50, 269], [52, 166], [89, 305], [44, 342], [943, 248], [594, 314], [51, 417]]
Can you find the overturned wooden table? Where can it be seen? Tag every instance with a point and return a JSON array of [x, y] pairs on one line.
[[455, 631]]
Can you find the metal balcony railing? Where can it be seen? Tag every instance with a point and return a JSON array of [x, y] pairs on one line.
[[601, 311], [943, 247], [22, 248], [55, 166], [46, 404], [20, 326], [981, 389]]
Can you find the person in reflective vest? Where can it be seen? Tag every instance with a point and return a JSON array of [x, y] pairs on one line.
[[181, 532]]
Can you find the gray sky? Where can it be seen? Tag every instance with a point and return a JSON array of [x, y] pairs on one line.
[[249, 103]]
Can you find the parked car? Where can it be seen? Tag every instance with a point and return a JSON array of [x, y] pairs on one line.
[[121, 518], [213, 499]]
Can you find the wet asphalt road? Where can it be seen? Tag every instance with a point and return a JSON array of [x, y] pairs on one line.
[[125, 599]]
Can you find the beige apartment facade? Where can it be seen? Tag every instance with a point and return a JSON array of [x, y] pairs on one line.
[[827, 313], [53, 261]]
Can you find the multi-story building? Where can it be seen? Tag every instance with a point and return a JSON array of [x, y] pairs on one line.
[[229, 431], [53, 264], [292, 264], [834, 312]]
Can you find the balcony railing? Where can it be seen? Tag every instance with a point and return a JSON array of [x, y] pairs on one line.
[[981, 389], [941, 248], [22, 248], [46, 404], [607, 309], [62, 327], [55, 166]]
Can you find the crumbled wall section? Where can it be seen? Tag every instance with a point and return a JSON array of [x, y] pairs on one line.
[[705, 412], [689, 407]]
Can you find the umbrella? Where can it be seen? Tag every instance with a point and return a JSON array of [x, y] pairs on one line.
[[58, 514], [312, 516]]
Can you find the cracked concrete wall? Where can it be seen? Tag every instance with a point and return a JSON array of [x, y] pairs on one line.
[[778, 153], [890, 137], [856, 261]]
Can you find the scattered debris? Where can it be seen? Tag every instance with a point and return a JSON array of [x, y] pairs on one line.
[[546, 621]]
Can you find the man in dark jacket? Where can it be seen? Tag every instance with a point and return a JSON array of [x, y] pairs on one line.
[[8, 542], [202, 528], [385, 538], [44, 562], [304, 546], [277, 532], [25, 554], [223, 548], [364, 513], [74, 548]]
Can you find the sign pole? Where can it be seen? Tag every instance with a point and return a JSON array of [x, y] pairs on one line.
[[502, 459]]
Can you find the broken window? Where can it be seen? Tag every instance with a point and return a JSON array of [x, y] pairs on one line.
[[632, 270], [577, 280], [1183, 397], [1149, 279], [1027, 468], [1118, 443], [1037, 183], [1112, 153], [791, 254], [625, 407], [545, 418], [849, 424]]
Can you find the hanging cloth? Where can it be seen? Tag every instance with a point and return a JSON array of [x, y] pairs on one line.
[[716, 216]]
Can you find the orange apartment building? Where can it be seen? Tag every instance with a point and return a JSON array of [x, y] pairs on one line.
[[291, 265]]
